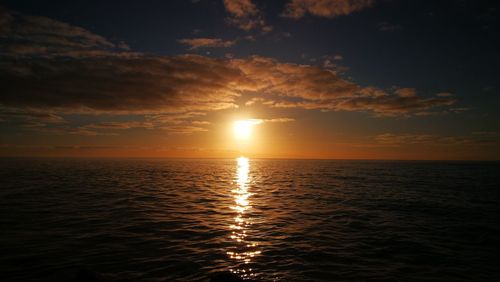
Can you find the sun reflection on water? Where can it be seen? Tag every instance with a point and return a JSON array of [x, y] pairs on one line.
[[244, 250]]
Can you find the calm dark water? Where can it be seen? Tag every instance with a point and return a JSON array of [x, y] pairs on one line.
[[273, 220]]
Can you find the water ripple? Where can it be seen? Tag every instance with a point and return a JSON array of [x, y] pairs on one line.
[[272, 220]]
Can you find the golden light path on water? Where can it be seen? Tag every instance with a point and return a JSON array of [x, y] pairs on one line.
[[244, 250]]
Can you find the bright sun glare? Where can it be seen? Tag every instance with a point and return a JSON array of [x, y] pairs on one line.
[[243, 128]]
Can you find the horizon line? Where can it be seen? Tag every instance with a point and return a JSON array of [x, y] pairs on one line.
[[254, 158]]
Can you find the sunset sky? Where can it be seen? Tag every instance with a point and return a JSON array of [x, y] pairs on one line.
[[340, 79]]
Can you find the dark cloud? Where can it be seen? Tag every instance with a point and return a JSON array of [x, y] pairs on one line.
[[24, 35], [42, 117], [119, 84]]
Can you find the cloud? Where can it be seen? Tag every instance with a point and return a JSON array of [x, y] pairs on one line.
[[201, 122], [180, 123], [487, 133], [297, 9], [117, 81], [174, 118], [407, 92], [285, 85], [257, 121], [42, 117], [252, 121], [195, 43], [184, 129], [241, 8], [30, 119], [148, 85], [25, 35], [119, 84], [120, 125], [279, 120], [331, 63], [65, 130], [245, 15], [404, 139], [400, 139], [459, 110], [392, 105]]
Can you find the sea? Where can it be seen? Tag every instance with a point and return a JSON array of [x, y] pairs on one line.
[[259, 219]]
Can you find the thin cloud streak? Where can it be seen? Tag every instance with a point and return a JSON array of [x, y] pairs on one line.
[[297, 9], [195, 43]]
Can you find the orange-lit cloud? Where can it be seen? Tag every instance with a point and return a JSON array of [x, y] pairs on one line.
[[120, 125], [195, 43], [245, 15], [241, 8], [408, 92], [70, 70], [405, 139], [279, 120], [284, 85], [297, 9], [191, 83]]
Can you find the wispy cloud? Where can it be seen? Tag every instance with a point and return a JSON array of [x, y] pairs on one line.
[[279, 120], [41, 36], [180, 123], [405, 139], [195, 43], [43, 117], [120, 125], [183, 129], [297, 9]]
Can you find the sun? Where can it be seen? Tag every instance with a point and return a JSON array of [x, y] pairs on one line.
[[243, 128]]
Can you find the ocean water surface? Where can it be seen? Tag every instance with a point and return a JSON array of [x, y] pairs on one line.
[[267, 220]]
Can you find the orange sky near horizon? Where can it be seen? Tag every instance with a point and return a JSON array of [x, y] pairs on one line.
[[285, 138]]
